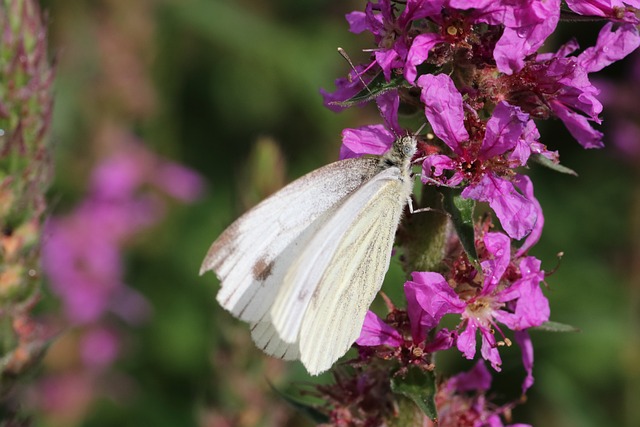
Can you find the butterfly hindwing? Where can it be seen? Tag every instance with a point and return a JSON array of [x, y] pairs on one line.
[[352, 246]]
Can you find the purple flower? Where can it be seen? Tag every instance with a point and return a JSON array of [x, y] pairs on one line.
[[483, 161], [477, 379], [509, 295], [527, 26], [462, 399], [610, 47], [393, 33], [82, 251], [419, 52], [409, 329], [561, 83]]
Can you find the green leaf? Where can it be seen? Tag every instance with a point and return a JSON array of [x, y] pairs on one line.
[[309, 410], [420, 386], [461, 211], [375, 88], [555, 327], [543, 161]]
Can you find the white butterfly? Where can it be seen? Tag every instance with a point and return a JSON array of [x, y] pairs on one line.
[[303, 266]]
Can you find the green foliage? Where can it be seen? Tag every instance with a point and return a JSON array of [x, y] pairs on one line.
[[419, 386], [461, 212]]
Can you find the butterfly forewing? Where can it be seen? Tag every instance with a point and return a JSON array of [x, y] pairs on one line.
[[247, 257]]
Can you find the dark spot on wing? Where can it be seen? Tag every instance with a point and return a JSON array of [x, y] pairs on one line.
[[262, 269]]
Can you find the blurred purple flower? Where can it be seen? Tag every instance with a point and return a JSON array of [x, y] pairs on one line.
[[81, 254], [99, 348]]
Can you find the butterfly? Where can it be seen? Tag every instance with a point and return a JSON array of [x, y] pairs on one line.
[[303, 266]]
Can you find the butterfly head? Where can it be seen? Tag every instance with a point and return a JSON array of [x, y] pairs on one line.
[[400, 153]]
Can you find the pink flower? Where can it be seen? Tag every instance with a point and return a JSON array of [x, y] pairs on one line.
[[82, 251], [392, 31], [510, 294], [483, 161], [462, 400]]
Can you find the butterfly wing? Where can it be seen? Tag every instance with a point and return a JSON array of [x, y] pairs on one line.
[[266, 338], [329, 287], [253, 254]]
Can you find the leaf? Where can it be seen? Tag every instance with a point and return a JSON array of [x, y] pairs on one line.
[[420, 386], [555, 327], [461, 211], [543, 161], [375, 88], [310, 411]]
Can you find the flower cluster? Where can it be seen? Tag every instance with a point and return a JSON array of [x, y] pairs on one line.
[[474, 69], [462, 398], [83, 259], [505, 290]]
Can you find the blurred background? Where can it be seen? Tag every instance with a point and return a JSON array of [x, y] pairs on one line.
[[194, 110]]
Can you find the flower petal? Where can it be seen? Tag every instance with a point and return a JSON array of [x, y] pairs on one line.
[[516, 213], [524, 184], [373, 139], [419, 52], [524, 341], [504, 129], [375, 332], [611, 46], [443, 108]]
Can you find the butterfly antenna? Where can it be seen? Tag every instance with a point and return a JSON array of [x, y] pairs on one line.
[[345, 55]]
